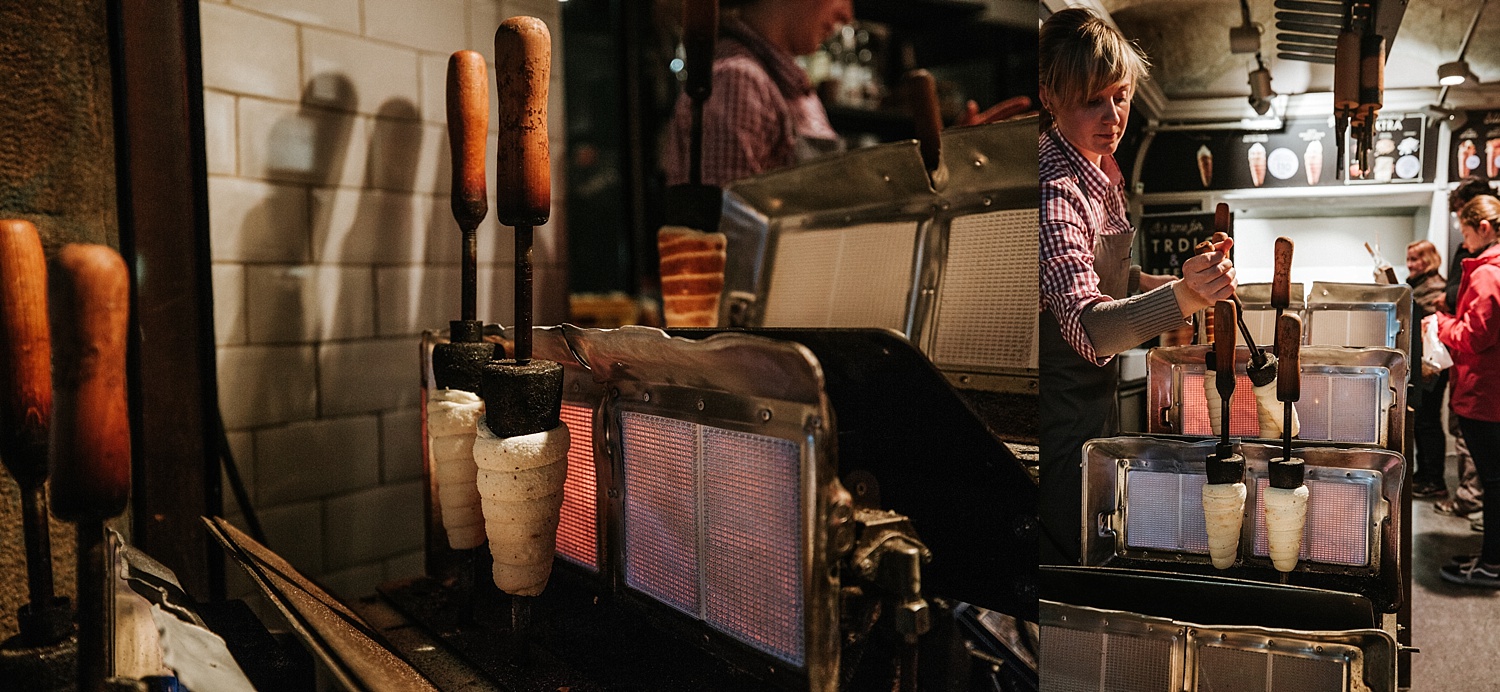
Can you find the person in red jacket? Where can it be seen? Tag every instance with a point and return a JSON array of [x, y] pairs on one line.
[[1472, 336]]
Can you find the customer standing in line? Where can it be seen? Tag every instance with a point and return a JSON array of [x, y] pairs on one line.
[[1472, 336], [1427, 291], [1468, 496]]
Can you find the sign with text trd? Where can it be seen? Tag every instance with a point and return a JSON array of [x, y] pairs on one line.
[[1169, 240]]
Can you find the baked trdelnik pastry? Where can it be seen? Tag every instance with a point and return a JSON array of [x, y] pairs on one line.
[[692, 276]]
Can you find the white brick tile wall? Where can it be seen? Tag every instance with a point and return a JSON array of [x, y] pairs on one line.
[[416, 298], [334, 14], [314, 459], [301, 144], [444, 241], [219, 128], [247, 53], [305, 303], [229, 303], [434, 75], [251, 221], [369, 376], [396, 149], [295, 532], [265, 385], [374, 524], [380, 73], [485, 16], [496, 301], [435, 25], [401, 445], [367, 226], [434, 171]]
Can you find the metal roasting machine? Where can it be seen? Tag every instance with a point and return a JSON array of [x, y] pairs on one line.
[[1148, 610]]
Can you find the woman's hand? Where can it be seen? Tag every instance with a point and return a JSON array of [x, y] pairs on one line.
[[1206, 278]]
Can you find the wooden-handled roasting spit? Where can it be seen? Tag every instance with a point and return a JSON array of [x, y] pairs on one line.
[[25, 417], [521, 450], [1224, 493], [1286, 498], [1223, 225], [453, 407], [921, 92], [1281, 276], [456, 365], [89, 300], [691, 251]]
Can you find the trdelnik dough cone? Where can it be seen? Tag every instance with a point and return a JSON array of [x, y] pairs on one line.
[[520, 482], [692, 275], [1286, 518], [452, 415], [1223, 513]]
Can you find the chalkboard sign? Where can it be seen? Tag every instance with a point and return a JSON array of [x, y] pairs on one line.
[[1476, 147], [1169, 240]]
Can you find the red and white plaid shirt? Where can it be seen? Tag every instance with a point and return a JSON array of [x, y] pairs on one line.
[[1080, 202], [761, 103]]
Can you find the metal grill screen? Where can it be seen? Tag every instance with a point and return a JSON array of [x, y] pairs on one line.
[[1262, 325], [1067, 662], [1231, 670], [1164, 511], [1079, 661], [578, 530], [1222, 669], [1244, 420], [713, 527], [1338, 522], [661, 504], [986, 314], [846, 277], [753, 558], [1351, 328], [1341, 408]]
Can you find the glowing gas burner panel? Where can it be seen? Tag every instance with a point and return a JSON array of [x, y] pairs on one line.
[[578, 531], [713, 528]]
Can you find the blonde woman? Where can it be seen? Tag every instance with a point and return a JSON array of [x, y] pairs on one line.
[[1427, 287], [1088, 75]]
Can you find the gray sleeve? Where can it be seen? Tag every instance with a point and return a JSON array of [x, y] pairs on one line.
[[1116, 325]]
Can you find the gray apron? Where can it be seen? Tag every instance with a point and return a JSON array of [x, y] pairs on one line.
[[1077, 402]]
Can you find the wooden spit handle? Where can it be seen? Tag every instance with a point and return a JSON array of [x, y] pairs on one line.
[[1289, 357], [1281, 276], [90, 309], [921, 89], [468, 128], [700, 28], [25, 353], [1225, 319], [523, 59], [1346, 68]]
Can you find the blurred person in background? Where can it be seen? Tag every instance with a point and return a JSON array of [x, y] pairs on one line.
[[1472, 337], [1428, 293], [1468, 496]]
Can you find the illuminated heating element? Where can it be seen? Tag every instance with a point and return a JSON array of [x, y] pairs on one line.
[[1335, 407], [1164, 511], [712, 528], [1092, 650], [578, 530], [1351, 327], [986, 313], [859, 276]]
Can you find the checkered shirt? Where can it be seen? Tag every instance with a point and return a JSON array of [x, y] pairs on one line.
[[761, 102], [1071, 223]]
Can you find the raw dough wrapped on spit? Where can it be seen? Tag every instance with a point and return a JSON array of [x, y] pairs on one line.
[[1286, 518], [692, 275], [1268, 410], [1223, 514], [452, 416], [520, 483]]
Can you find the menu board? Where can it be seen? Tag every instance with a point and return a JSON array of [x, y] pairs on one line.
[[1476, 147], [1169, 240], [1304, 154]]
